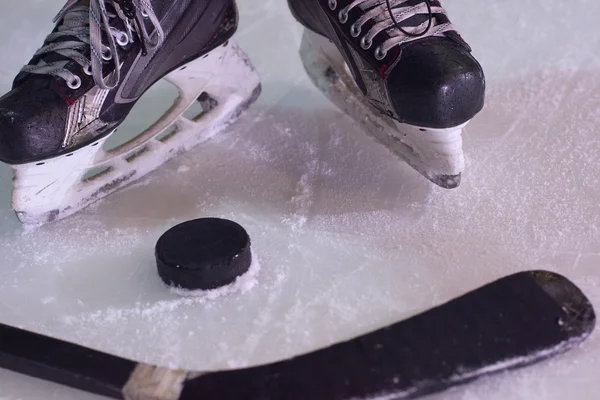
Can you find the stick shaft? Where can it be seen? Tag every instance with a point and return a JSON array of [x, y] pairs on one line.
[[63, 363]]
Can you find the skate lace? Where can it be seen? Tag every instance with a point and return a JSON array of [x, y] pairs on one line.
[[403, 20], [85, 25]]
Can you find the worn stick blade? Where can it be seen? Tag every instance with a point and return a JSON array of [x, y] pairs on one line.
[[510, 323]]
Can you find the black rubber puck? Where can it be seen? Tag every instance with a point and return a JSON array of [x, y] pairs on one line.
[[203, 254]]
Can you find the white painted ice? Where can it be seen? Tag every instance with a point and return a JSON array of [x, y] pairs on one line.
[[349, 239]]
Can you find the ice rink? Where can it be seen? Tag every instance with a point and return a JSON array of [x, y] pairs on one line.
[[349, 238]]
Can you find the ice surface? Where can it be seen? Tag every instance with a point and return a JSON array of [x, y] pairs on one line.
[[242, 284], [349, 239]]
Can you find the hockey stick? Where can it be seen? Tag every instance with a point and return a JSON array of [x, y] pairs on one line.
[[510, 323]]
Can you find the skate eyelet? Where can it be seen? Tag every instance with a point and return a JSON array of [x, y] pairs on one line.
[[144, 14], [380, 54], [75, 83], [343, 17], [88, 70], [123, 39], [107, 54], [355, 30], [332, 5], [365, 43]]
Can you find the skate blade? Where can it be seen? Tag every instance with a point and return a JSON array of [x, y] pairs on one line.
[[435, 153], [223, 81]]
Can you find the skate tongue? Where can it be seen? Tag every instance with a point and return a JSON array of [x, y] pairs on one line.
[[64, 23], [54, 57], [88, 33], [410, 22]]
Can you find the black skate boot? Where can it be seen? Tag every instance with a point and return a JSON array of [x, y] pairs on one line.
[[79, 87], [413, 81]]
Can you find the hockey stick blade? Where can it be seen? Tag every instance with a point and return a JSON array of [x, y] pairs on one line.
[[513, 322]]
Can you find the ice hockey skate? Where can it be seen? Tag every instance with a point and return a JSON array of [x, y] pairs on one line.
[[81, 84], [401, 70]]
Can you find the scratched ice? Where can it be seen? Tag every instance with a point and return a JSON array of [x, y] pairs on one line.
[[349, 239]]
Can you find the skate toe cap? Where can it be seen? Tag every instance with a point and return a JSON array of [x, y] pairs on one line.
[[436, 84], [32, 126]]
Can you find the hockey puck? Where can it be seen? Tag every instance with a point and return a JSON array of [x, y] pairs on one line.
[[205, 254]]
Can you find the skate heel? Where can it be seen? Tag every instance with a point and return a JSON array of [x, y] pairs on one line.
[[223, 81], [435, 153]]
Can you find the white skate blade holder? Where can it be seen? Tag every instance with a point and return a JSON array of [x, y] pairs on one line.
[[435, 153], [56, 188]]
